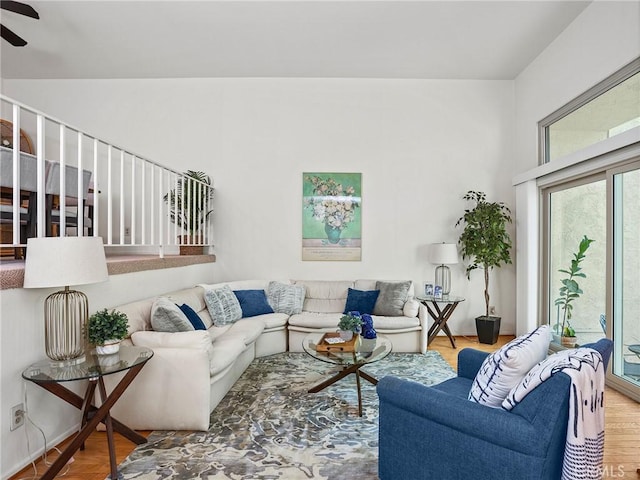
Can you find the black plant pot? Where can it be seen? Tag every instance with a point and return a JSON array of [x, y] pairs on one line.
[[488, 329]]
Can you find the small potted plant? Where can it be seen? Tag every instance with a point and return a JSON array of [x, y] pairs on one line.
[[349, 324], [106, 329], [486, 242], [570, 291], [189, 205]]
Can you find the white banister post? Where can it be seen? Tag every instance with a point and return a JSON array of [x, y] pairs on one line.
[[132, 230], [80, 191], [40, 175], [143, 190], [109, 196], [16, 175], [96, 202], [122, 197]]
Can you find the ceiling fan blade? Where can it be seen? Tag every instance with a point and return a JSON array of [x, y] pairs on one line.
[[11, 37], [19, 7]]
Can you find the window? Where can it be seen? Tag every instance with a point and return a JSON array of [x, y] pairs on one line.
[[607, 110]]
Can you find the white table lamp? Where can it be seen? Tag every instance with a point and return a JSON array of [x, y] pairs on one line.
[[64, 261], [443, 254]]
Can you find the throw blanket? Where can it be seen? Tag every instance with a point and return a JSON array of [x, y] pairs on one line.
[[584, 448]]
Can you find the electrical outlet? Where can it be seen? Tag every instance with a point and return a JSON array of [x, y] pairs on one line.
[[127, 231], [17, 416], [492, 310]]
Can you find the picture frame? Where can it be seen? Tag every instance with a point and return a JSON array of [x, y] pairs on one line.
[[437, 291], [428, 289]]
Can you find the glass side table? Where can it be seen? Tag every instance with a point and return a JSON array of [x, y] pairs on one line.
[[51, 376], [440, 310]]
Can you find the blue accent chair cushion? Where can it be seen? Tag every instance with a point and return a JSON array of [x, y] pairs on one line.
[[436, 432]]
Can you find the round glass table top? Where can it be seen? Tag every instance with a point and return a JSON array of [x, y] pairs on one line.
[[442, 299], [90, 367], [366, 350]]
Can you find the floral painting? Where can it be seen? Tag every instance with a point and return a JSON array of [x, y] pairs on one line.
[[331, 216]]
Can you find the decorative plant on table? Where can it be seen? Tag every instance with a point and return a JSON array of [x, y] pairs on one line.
[[570, 291], [349, 323], [485, 241], [190, 204], [106, 329], [333, 204]]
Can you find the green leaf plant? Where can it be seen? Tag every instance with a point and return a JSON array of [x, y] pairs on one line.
[[485, 240], [104, 325], [570, 290], [189, 203]]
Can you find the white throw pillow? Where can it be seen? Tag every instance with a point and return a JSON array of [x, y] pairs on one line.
[[223, 305], [284, 298], [166, 316], [504, 368]]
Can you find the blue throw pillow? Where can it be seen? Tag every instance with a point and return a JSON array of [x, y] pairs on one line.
[[253, 302], [362, 301], [192, 316]]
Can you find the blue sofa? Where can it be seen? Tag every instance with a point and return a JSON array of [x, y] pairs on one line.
[[436, 433]]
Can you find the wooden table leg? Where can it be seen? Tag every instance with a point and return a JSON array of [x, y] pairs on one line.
[[97, 417], [86, 404], [109, 424], [357, 372], [340, 375]]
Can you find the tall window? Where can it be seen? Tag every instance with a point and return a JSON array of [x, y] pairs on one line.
[[600, 200]]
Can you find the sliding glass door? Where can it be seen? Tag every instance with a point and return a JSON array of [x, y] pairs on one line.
[[576, 210], [625, 328], [605, 207]]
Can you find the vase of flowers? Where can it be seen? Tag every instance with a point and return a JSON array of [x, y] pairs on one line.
[[333, 204]]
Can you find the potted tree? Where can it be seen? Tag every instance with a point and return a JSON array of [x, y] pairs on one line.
[[349, 324], [189, 205], [570, 291], [486, 242], [106, 329]]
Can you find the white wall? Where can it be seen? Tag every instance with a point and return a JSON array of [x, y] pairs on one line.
[[22, 343], [604, 38], [420, 145], [601, 40]]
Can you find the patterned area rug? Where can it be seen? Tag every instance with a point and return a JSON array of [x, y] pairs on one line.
[[269, 427]]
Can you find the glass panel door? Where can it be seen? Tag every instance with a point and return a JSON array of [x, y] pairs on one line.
[[626, 276], [577, 210]]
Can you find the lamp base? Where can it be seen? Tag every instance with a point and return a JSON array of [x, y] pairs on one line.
[[65, 317], [443, 278]]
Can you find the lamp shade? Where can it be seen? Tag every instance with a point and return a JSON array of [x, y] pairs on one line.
[[443, 253], [64, 261]]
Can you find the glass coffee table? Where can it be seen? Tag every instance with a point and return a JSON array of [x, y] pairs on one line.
[[366, 351]]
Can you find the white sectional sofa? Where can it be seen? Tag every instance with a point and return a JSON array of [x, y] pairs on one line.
[[191, 371]]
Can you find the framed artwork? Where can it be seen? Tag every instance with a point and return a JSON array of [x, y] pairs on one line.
[[331, 216]]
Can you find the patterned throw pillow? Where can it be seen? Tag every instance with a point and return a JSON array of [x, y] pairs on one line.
[[166, 316], [284, 298], [504, 368], [392, 298], [223, 305]]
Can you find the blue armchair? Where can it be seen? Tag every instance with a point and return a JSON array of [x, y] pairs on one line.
[[436, 433]]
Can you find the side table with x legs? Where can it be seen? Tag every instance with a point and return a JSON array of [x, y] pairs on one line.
[[440, 310]]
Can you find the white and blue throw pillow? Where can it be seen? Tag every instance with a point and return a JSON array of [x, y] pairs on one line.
[[504, 368], [223, 305], [285, 298]]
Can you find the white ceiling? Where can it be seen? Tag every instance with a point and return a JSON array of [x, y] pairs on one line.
[[237, 38]]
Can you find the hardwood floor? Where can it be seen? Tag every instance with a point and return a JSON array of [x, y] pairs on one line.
[[622, 444]]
